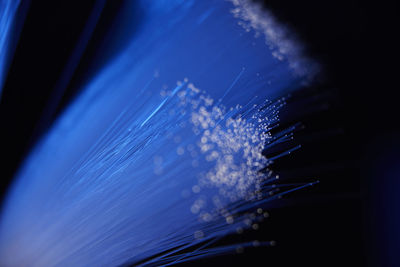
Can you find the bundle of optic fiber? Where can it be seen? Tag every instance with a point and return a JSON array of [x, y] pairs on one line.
[[161, 154]]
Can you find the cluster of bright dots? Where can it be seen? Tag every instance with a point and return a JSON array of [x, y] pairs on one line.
[[281, 40], [233, 145], [230, 142]]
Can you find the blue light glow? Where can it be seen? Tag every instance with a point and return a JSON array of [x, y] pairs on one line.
[[162, 149], [8, 9]]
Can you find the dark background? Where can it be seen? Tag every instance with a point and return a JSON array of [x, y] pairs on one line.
[[343, 221]]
